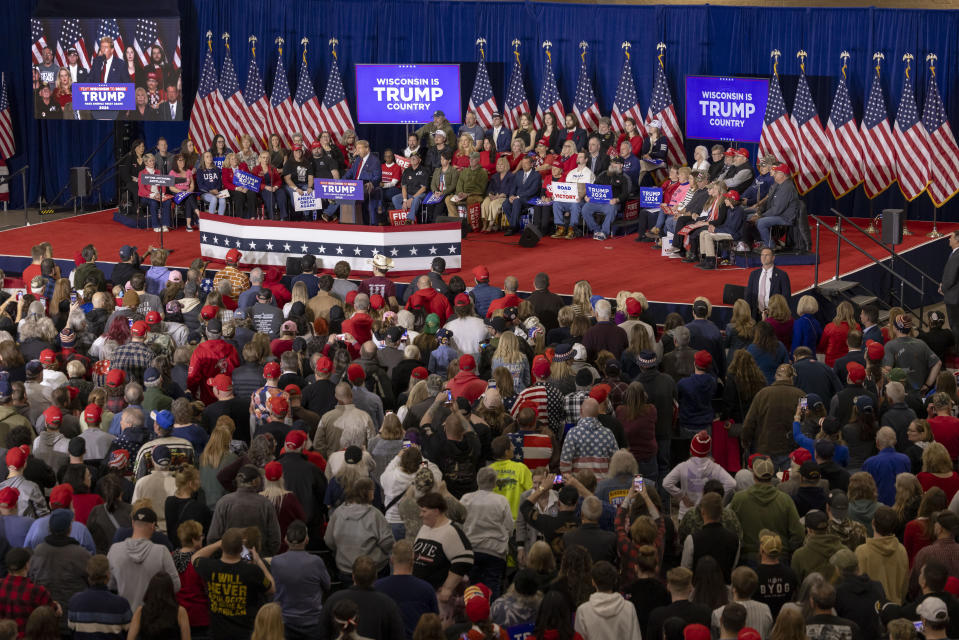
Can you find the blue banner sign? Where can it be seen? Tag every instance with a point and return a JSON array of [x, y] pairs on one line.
[[723, 108], [98, 96], [407, 93], [246, 180], [181, 196], [650, 197], [338, 189], [599, 193]]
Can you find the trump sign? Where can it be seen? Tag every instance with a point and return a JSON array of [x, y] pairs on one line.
[[338, 189], [104, 97], [406, 93], [722, 108]]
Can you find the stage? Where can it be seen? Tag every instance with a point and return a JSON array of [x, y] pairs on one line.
[[611, 265]]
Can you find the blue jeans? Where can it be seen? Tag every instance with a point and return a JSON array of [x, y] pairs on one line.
[[561, 207], [765, 224], [663, 454], [275, 201], [660, 220], [398, 529], [513, 211], [670, 224], [155, 208], [414, 205], [216, 205], [608, 211], [489, 570]]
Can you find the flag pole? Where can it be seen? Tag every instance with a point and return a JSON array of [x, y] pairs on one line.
[[907, 58], [872, 229], [935, 233]]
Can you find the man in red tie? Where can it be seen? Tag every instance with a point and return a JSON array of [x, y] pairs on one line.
[[106, 68], [367, 167]]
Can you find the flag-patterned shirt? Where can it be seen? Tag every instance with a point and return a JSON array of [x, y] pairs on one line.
[[588, 447]]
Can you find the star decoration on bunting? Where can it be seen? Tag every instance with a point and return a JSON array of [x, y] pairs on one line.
[[215, 240], [286, 248], [204, 237], [356, 251], [413, 251], [452, 249], [394, 252], [269, 246], [339, 251], [238, 244], [304, 247], [252, 245], [322, 249], [432, 251]]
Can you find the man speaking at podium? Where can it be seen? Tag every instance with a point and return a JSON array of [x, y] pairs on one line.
[[366, 167]]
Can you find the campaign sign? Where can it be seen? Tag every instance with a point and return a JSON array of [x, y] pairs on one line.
[[246, 180], [434, 197], [650, 197], [723, 108], [181, 196], [218, 161], [599, 193], [539, 202], [157, 180], [407, 93], [119, 96], [305, 202], [565, 191], [402, 161], [338, 189], [520, 631]]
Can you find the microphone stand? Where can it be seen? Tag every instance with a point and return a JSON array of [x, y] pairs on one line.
[[22, 172]]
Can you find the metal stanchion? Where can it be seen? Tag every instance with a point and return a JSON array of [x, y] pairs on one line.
[[935, 231]]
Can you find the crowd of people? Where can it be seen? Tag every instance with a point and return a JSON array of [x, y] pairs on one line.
[[506, 176], [243, 454]]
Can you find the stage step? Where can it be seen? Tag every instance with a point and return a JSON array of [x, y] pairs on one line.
[[863, 300], [837, 287]]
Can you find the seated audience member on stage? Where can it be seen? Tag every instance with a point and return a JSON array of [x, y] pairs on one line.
[[580, 175], [180, 169], [472, 127], [244, 200], [672, 198], [596, 160], [631, 166], [470, 185], [543, 213], [654, 151], [366, 167], [631, 134], [298, 175], [783, 209], [154, 197], [575, 132], [413, 187], [729, 227], [739, 175], [614, 178], [689, 225], [719, 160], [497, 190], [209, 183], [526, 185], [755, 196], [392, 173], [443, 181], [272, 193], [438, 148], [766, 282]]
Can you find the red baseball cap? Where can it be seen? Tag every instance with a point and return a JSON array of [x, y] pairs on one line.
[[273, 471], [92, 414], [467, 362], [351, 297], [599, 393], [295, 439], [541, 367], [116, 378], [480, 272], [732, 194], [461, 300], [47, 356], [222, 382], [355, 373], [856, 372], [783, 168], [292, 390], [297, 147], [279, 406], [9, 496], [17, 457], [376, 301], [316, 144], [153, 318], [208, 312], [140, 328], [729, 153], [419, 373], [800, 455], [233, 255], [875, 350], [633, 306], [742, 151], [53, 416], [272, 370], [324, 365], [61, 496], [703, 359]]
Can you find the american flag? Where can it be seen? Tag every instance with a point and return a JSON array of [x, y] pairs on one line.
[[482, 101], [109, 27], [879, 166], [38, 40], [778, 136], [72, 37], [284, 117], [626, 102], [585, 107], [912, 148], [257, 105], [8, 146], [549, 99], [516, 103], [845, 145], [202, 126], [335, 110], [232, 117], [177, 62], [813, 149], [412, 248], [943, 151], [144, 37], [662, 108], [309, 104]]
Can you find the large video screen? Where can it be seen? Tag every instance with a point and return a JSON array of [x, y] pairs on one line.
[[106, 68], [407, 93], [724, 108]]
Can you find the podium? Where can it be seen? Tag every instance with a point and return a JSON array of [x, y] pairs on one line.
[[348, 212]]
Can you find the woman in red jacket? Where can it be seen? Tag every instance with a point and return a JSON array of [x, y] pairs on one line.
[[633, 135], [488, 155], [272, 192], [155, 197], [244, 200], [833, 340]]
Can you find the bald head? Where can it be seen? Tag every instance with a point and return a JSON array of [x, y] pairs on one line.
[[590, 408], [368, 349], [423, 282], [511, 284], [361, 302], [344, 394]]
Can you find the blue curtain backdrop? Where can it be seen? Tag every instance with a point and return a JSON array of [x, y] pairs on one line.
[[700, 40]]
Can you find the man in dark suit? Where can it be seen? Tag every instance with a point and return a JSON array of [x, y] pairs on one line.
[[855, 354], [526, 185], [500, 134], [949, 288], [869, 317], [107, 68], [171, 109], [766, 282], [366, 167], [596, 160]]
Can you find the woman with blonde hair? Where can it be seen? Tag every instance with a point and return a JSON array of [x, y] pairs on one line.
[[244, 200], [157, 203], [562, 376], [700, 159], [908, 498], [937, 471], [889, 331], [739, 331], [639, 341], [288, 507], [582, 303], [781, 318], [540, 558], [790, 625], [464, 147], [269, 623], [834, 334], [418, 393], [806, 329], [216, 455], [497, 190], [525, 132], [246, 155], [298, 293], [509, 355], [920, 436]]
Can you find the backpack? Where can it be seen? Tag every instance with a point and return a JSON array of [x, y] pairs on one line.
[[460, 473]]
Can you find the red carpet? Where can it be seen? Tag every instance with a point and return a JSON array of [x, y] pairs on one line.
[[610, 266]]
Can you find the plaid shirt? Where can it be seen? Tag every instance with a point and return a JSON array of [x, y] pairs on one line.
[[629, 550], [133, 358], [617, 391], [238, 280], [572, 403], [19, 597]]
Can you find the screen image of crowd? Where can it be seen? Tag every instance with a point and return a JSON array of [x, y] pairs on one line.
[[152, 68], [243, 453]]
